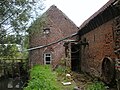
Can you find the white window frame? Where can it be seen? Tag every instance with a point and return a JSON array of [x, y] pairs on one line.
[[47, 55]]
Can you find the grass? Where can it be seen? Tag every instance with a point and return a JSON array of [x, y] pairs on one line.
[[95, 86], [61, 77], [43, 78]]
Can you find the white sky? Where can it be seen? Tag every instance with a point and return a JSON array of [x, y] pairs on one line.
[[77, 10]]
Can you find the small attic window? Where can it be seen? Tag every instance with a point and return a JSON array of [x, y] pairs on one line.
[[46, 31], [65, 18]]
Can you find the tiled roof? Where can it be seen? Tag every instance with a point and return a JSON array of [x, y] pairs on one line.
[[110, 2]]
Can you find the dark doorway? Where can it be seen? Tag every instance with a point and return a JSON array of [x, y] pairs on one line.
[[75, 57]]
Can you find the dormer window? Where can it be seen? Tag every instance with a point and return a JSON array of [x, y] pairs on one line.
[[46, 31]]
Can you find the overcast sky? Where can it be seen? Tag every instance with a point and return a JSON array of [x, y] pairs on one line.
[[77, 10]]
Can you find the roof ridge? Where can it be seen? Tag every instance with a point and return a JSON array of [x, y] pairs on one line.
[[54, 6]]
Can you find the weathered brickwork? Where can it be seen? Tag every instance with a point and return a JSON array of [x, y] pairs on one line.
[[100, 46], [60, 27], [101, 32]]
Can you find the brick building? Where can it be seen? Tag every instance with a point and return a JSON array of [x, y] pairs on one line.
[[99, 37], [93, 48], [46, 39]]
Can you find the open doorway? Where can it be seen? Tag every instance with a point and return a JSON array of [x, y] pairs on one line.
[[75, 57]]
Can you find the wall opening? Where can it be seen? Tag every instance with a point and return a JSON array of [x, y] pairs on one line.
[[75, 57]]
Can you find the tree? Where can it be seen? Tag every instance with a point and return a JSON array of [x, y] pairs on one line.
[[15, 14], [15, 18]]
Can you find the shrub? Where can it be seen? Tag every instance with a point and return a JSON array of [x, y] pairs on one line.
[[42, 78], [96, 86], [62, 70]]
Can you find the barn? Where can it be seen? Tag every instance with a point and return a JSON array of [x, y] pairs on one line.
[[99, 38], [47, 36]]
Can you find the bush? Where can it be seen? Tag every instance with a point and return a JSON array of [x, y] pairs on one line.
[[96, 86], [42, 78], [62, 70]]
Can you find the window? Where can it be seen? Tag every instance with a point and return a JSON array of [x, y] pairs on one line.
[[47, 58], [46, 31]]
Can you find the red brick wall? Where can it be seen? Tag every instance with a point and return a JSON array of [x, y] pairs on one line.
[[101, 45], [60, 27]]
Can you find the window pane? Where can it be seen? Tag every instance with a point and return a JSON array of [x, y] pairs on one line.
[[47, 58], [47, 54], [47, 62]]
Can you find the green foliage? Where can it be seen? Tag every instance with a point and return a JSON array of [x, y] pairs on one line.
[[17, 13], [42, 78], [96, 86], [15, 18], [62, 70], [61, 73], [38, 25], [9, 51], [11, 47]]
